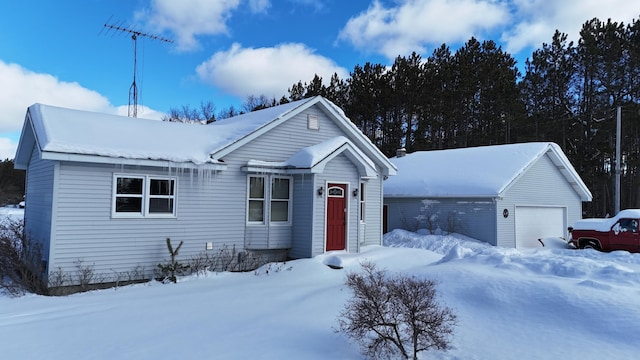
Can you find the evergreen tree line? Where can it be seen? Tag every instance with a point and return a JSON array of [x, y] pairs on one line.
[[476, 96], [568, 94], [11, 183]]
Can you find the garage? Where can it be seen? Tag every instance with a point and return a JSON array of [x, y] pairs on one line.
[[538, 222], [506, 195]]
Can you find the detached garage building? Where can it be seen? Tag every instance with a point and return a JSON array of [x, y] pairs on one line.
[[506, 195]]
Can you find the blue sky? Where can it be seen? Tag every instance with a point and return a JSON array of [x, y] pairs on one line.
[[59, 53]]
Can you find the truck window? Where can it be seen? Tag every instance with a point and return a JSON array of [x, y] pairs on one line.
[[630, 225]]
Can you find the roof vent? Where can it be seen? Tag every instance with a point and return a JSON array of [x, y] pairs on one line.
[[312, 122], [401, 152]]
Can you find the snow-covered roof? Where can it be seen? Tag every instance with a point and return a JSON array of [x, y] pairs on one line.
[[475, 172], [75, 135], [75, 132]]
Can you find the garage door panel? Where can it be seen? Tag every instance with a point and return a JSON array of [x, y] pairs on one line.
[[536, 222]]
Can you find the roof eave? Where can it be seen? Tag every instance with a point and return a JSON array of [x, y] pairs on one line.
[[25, 145], [59, 156], [450, 196]]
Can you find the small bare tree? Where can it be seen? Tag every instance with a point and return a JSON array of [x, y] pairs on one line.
[[392, 316], [169, 271]]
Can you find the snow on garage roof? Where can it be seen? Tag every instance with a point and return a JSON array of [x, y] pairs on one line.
[[485, 171]]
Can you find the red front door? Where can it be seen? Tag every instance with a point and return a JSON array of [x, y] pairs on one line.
[[336, 216]]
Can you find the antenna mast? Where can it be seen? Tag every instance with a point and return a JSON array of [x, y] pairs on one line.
[[133, 89]]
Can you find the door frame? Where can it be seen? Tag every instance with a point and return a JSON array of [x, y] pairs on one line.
[[347, 213]]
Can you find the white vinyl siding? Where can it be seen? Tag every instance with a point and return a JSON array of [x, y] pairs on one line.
[[211, 206], [541, 185]]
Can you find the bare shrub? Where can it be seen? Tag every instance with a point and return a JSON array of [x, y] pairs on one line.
[[201, 262], [454, 222], [21, 264], [86, 275], [59, 278], [225, 259], [136, 274], [394, 316], [414, 225]]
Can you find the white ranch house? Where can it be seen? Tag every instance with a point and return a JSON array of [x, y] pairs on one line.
[[506, 195], [297, 179]]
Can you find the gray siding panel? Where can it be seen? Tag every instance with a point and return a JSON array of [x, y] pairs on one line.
[[39, 190], [372, 228], [210, 206], [87, 233], [303, 204], [470, 217], [277, 145]]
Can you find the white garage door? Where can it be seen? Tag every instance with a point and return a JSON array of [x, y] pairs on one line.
[[534, 222]]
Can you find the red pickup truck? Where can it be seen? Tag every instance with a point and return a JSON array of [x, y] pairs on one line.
[[617, 233]]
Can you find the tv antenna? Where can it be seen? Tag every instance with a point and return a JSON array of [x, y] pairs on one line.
[[133, 89]]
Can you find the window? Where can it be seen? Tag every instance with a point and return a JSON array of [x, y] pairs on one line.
[[161, 196], [143, 196], [256, 199], [280, 199], [362, 202], [628, 225], [336, 191], [129, 193], [277, 195]]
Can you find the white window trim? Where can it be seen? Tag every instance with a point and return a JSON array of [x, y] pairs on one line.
[[268, 179], [263, 199], [146, 196]]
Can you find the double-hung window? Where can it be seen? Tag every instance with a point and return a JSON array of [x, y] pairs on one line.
[[143, 196], [280, 198], [269, 195], [161, 196], [256, 199]]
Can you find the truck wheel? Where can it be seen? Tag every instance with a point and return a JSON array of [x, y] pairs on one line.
[[591, 245]]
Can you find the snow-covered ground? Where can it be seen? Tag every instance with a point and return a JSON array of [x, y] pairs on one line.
[[545, 303], [11, 211]]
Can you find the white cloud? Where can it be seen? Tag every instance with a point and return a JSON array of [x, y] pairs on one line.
[[259, 6], [266, 71], [7, 148], [414, 24], [22, 88], [539, 19], [190, 18]]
